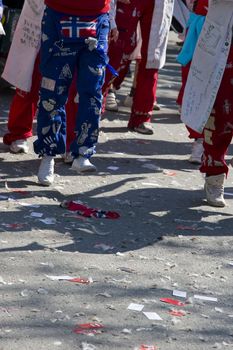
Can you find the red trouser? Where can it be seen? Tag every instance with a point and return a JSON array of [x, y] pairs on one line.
[[127, 19], [219, 128], [23, 109]]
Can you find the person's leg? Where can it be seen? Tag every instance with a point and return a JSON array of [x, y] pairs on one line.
[[57, 69], [197, 146], [217, 137], [120, 51], [91, 75], [146, 79], [184, 77], [22, 112]]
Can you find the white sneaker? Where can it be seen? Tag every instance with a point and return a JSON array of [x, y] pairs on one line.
[[67, 158], [19, 146], [214, 189], [46, 171], [157, 107], [128, 101], [197, 152], [82, 165], [111, 103]]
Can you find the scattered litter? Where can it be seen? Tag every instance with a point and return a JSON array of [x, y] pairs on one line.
[[147, 347], [126, 331], [60, 278], [42, 291], [49, 221], [105, 295], [113, 168], [152, 167], [187, 228], [152, 184], [152, 316], [3, 197], [88, 328], [2, 280], [120, 254], [169, 173], [103, 246], [172, 301], [23, 204], [81, 280], [86, 346], [203, 297], [57, 343], [127, 269], [177, 313], [36, 215], [49, 264], [68, 278], [217, 309], [175, 321], [15, 226], [135, 307], [88, 212], [230, 263], [228, 194], [26, 293], [178, 293]]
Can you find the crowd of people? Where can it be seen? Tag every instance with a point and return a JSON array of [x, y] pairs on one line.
[[75, 54]]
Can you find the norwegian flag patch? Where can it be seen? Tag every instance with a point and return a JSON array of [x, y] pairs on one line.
[[74, 27]]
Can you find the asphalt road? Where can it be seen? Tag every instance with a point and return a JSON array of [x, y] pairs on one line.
[[167, 238]]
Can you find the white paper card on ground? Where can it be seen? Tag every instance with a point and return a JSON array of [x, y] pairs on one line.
[[60, 278], [179, 293], [135, 307], [203, 297], [113, 168], [152, 316], [35, 214]]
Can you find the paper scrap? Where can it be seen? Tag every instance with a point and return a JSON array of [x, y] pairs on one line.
[[177, 313], [203, 297], [179, 293], [113, 168], [88, 328], [87, 346], [60, 278], [49, 221], [135, 307], [36, 214], [152, 316], [81, 280]]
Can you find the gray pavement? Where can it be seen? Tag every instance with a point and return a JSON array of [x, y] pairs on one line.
[[167, 238]]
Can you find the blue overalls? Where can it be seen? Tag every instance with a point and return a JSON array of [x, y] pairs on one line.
[[69, 44]]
